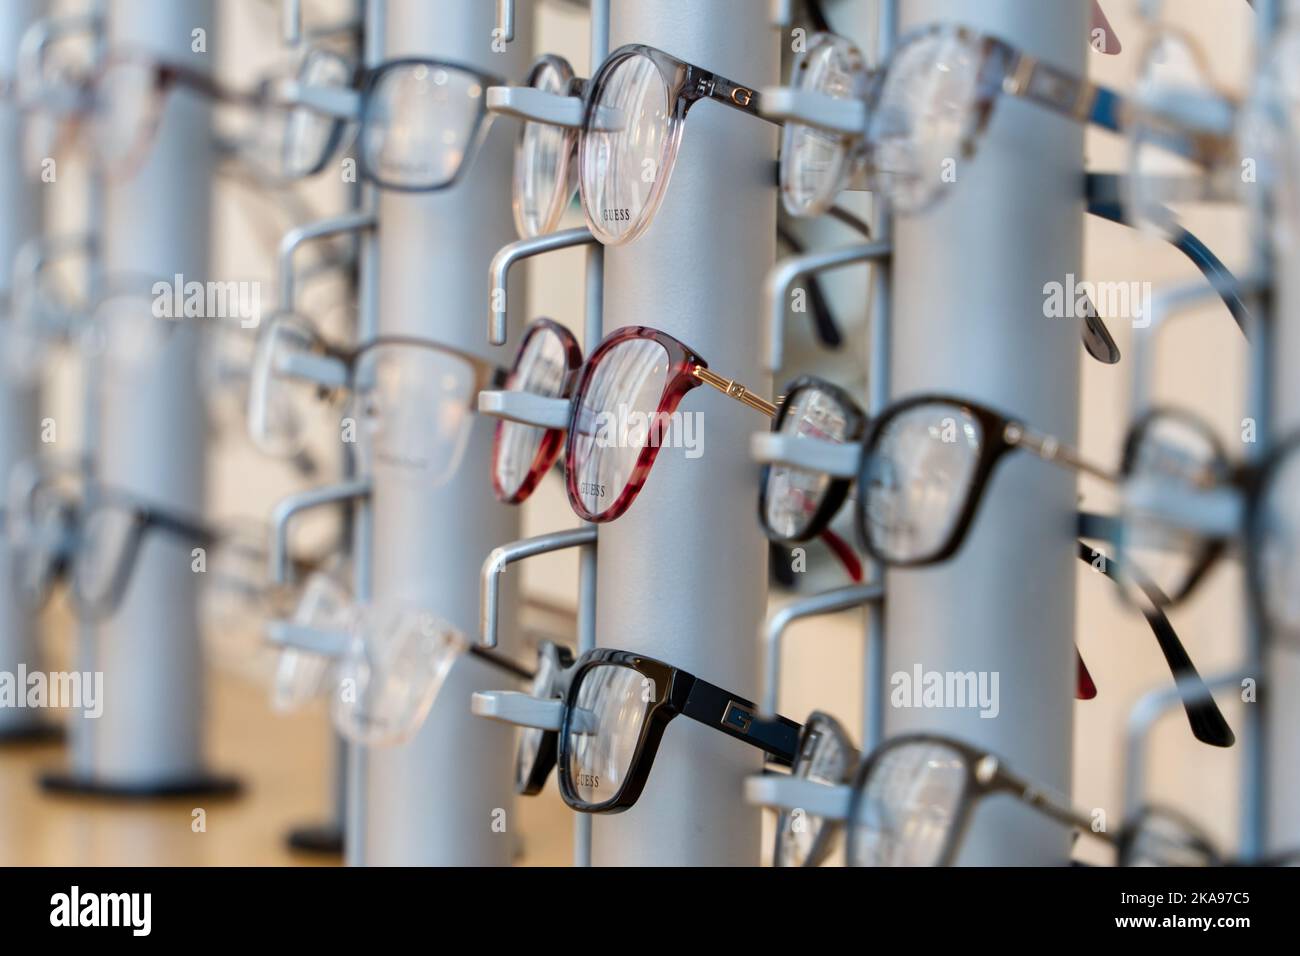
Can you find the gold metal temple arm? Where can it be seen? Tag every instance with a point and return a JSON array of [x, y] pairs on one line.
[[1050, 450], [733, 389]]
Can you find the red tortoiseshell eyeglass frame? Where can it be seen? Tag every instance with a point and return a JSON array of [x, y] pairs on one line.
[[687, 370]]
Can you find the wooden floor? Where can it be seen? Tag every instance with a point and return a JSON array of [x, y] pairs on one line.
[[282, 761]]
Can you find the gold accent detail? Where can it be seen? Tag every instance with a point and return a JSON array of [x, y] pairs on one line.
[[1018, 81], [733, 389], [739, 92], [1085, 101]]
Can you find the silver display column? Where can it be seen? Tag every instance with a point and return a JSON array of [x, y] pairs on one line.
[[682, 575], [435, 799], [968, 306], [149, 739], [22, 200]]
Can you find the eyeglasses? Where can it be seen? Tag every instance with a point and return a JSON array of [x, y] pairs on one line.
[[411, 399], [396, 661], [545, 175], [1175, 454], [635, 112], [636, 377], [908, 804], [923, 467], [1160, 836], [912, 799], [95, 538], [616, 707], [418, 121], [1176, 102], [931, 102], [124, 99]]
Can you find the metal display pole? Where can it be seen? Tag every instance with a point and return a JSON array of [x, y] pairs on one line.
[[19, 395], [149, 740], [682, 574], [1274, 796], [434, 799], [1011, 223]]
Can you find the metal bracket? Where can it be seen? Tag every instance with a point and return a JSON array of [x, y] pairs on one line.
[[811, 454], [525, 408], [795, 793], [829, 113], [335, 102], [301, 637], [788, 271], [506, 257], [507, 554], [322, 229], [537, 106], [321, 370], [829, 602], [287, 508]]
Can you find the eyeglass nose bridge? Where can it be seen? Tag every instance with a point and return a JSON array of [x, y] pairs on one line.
[[788, 271], [505, 259]]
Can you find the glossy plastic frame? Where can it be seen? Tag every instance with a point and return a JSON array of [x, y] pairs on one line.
[[548, 746], [552, 442], [369, 79], [685, 85], [687, 370], [838, 490], [985, 776], [567, 183], [825, 839], [685, 694]]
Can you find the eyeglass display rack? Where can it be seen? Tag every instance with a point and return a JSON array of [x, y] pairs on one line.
[[150, 429], [701, 275], [19, 426]]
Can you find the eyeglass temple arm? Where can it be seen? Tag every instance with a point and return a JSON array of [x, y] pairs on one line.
[[1186, 242], [180, 527], [733, 389], [737, 717], [501, 662], [1053, 451], [1048, 805], [1203, 714], [205, 84]]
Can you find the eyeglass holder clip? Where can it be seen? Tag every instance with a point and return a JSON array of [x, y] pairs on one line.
[[795, 793], [504, 260], [828, 602], [537, 106], [328, 101], [300, 637], [525, 408], [811, 454], [828, 113], [790, 270], [520, 709], [288, 508], [507, 554]]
